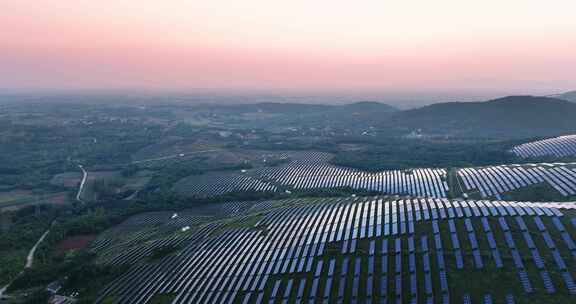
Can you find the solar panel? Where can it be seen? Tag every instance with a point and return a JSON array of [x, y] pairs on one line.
[[426, 262], [260, 298], [331, 267], [357, 266], [355, 287], [413, 285], [384, 246], [521, 223], [537, 258], [398, 280], [344, 270], [468, 224], [288, 289], [398, 263], [517, 259], [440, 258], [509, 240], [412, 263], [558, 259], [318, 268], [473, 240], [569, 282], [353, 246], [398, 245], [485, 224], [342, 287], [558, 224], [548, 240], [314, 290], [369, 286], [275, 289], [497, 258], [568, 241], [529, 240], [548, 285], [383, 286], [301, 287], [443, 281], [459, 260], [503, 224], [491, 240], [525, 282], [328, 288], [435, 227], [452, 226], [477, 259], [428, 283], [411, 244], [424, 243], [539, 224], [438, 241], [455, 242], [247, 298]]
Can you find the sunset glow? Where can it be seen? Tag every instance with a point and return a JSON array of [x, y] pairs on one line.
[[524, 45]]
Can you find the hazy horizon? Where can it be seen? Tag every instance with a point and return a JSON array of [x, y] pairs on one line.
[[489, 47]]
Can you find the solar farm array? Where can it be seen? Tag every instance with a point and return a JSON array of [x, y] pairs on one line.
[[311, 171], [140, 235], [493, 181], [365, 250], [561, 146]]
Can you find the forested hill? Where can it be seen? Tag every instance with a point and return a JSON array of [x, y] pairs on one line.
[[513, 116]]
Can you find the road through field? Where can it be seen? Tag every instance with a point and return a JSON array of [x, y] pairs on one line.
[[2, 290], [172, 156], [82, 183], [29, 259]]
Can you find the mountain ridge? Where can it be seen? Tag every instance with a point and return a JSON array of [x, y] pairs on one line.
[[511, 116]]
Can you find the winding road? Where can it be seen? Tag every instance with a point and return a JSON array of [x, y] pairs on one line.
[[2, 290], [173, 156], [30, 257], [29, 260], [82, 183]]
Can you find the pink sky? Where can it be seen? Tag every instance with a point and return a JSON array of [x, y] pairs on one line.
[[527, 46]]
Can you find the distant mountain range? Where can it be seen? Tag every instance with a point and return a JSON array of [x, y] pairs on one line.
[[507, 117], [513, 116]]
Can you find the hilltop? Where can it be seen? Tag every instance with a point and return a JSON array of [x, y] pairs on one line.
[[512, 116]]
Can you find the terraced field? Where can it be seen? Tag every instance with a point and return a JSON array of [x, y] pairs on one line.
[[347, 250]]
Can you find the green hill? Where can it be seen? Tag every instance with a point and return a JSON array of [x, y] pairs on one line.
[[513, 116]]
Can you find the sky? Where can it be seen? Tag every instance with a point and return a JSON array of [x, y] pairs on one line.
[[516, 46]]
